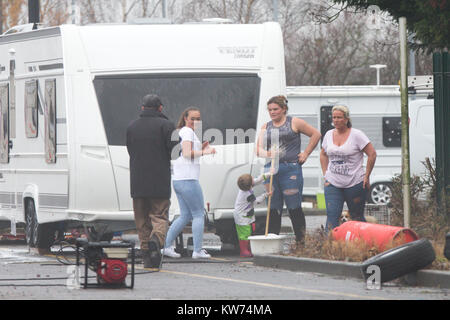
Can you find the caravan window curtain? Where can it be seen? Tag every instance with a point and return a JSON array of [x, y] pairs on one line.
[[50, 120], [31, 110], [4, 123]]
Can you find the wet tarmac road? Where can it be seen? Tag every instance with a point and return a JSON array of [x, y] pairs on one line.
[[26, 275]]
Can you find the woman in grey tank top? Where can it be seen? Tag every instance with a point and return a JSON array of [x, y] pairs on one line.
[[279, 140]]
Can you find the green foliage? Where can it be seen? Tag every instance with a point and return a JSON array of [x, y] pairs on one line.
[[427, 218], [427, 20]]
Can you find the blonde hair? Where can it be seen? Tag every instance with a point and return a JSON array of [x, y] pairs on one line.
[[245, 182], [345, 111], [279, 100]]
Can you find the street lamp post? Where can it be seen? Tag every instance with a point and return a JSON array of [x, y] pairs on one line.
[[378, 67], [275, 10]]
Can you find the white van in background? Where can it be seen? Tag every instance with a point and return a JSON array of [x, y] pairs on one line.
[[421, 134], [375, 110], [68, 93]]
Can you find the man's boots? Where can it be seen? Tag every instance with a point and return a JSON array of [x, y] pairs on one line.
[[152, 256], [244, 246], [146, 258]]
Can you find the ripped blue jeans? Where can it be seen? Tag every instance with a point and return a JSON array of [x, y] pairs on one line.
[[287, 186], [355, 197]]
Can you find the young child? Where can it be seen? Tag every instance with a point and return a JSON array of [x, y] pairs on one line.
[[244, 214]]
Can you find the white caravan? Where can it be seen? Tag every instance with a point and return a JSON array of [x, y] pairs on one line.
[[375, 110], [68, 93]]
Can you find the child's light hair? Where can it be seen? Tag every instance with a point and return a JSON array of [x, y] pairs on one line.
[[245, 182]]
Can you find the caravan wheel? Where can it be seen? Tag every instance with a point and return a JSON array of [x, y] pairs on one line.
[[380, 193], [40, 235], [29, 222]]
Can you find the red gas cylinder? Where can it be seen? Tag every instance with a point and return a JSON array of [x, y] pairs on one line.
[[378, 235]]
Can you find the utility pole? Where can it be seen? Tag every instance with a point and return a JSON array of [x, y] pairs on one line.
[[1, 16], [406, 186], [275, 10], [73, 12], [164, 9], [441, 84], [412, 60]]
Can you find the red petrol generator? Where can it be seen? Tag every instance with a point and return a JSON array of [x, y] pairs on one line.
[[109, 260]]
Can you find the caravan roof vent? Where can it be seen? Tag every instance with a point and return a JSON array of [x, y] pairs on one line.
[[22, 28], [217, 20], [151, 21]]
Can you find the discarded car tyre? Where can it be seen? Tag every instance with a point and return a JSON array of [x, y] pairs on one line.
[[401, 260], [447, 246]]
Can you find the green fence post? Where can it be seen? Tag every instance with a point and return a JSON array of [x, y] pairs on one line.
[[441, 80]]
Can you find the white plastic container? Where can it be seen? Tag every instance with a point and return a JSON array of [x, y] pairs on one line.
[[270, 244]]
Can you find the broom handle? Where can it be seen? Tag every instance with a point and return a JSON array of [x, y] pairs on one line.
[[270, 197]]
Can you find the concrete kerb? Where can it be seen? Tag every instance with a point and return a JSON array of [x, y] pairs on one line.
[[422, 278], [337, 268], [425, 278]]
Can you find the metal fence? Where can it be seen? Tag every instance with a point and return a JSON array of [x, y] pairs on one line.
[[380, 212]]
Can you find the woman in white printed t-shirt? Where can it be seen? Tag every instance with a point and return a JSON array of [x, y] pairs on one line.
[[341, 159], [186, 172]]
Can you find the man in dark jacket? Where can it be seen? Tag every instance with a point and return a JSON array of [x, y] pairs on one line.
[[149, 145]]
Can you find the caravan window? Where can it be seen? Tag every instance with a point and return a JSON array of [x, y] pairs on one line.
[[226, 101], [326, 120], [4, 123], [392, 131], [31, 109], [50, 120]]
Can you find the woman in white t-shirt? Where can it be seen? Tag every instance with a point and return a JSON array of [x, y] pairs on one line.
[[186, 171], [341, 159]]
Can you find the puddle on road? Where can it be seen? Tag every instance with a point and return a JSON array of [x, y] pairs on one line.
[[19, 255]]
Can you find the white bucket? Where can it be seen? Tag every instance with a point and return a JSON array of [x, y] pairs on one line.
[[270, 244]]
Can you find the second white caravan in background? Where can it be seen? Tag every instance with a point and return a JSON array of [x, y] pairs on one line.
[[375, 110]]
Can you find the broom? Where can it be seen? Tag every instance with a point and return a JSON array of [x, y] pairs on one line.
[[270, 196]]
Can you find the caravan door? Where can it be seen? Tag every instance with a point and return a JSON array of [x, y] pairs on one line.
[[7, 176]]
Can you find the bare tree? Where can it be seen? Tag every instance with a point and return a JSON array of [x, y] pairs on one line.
[[150, 8], [242, 11], [98, 11], [1, 16], [127, 8], [13, 13], [54, 12], [292, 17], [325, 43], [145, 8], [330, 54]]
